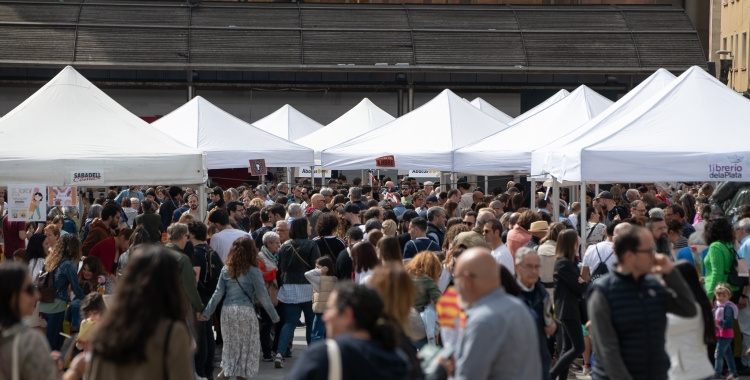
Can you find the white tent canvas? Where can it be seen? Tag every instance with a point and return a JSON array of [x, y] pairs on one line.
[[509, 151], [695, 129], [491, 110], [421, 139], [229, 142], [364, 117], [288, 123], [562, 157], [558, 96], [69, 125]]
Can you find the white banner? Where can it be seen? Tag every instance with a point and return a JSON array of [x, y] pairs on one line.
[[727, 167], [305, 172], [87, 177], [27, 203], [424, 173]]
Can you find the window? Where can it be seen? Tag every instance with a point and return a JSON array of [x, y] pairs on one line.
[[743, 57]]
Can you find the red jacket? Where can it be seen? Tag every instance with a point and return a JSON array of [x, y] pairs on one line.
[[98, 231], [105, 250]]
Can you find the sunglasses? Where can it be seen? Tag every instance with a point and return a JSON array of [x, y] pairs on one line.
[[30, 289], [468, 224]]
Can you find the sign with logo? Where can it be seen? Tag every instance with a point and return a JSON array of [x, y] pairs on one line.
[[62, 196], [27, 203], [385, 162], [727, 167], [258, 167], [86, 177], [424, 173], [305, 172]]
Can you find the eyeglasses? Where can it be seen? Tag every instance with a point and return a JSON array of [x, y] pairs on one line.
[[30, 289], [468, 224]]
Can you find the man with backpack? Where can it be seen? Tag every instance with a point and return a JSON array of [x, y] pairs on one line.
[[269, 220], [602, 252]]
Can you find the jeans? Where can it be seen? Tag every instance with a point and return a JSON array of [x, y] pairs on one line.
[[204, 356], [280, 310], [54, 328], [724, 351], [293, 312], [744, 321], [73, 315], [572, 347], [319, 328]]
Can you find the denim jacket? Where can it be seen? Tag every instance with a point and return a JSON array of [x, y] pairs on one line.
[[67, 274], [252, 283]]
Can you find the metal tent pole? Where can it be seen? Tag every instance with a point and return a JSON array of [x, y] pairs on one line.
[[555, 200], [532, 194], [582, 217]]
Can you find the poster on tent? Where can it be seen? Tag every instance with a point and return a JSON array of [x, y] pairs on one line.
[[424, 173], [27, 203], [304, 172], [727, 167], [62, 196]]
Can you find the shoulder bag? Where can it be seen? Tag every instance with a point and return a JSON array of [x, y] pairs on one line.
[[335, 368], [166, 348]]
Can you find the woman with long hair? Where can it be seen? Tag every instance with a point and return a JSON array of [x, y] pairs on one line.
[[425, 269], [450, 209], [719, 236], [24, 352], [364, 261], [360, 331], [242, 282], [595, 230], [547, 249], [569, 287], [143, 334], [52, 233], [688, 203], [328, 243], [62, 264], [88, 277], [389, 250], [688, 338]]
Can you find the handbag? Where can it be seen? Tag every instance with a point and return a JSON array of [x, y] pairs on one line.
[[300, 257]]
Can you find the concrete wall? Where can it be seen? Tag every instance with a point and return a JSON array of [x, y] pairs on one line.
[[735, 30]]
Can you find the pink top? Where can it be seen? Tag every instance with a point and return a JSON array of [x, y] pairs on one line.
[[722, 332], [517, 237]]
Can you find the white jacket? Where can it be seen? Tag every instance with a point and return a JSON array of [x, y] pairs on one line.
[[688, 354]]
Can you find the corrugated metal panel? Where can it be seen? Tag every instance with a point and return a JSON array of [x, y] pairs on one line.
[[482, 49], [580, 50], [571, 20], [132, 45], [359, 48], [465, 19], [134, 15], [53, 12], [658, 21], [246, 17], [354, 18], [32, 43], [670, 50], [245, 47]]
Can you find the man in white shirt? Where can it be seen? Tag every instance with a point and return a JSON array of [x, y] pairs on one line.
[[222, 241], [493, 232], [602, 251]]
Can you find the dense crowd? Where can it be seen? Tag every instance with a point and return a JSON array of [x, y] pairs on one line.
[[396, 279]]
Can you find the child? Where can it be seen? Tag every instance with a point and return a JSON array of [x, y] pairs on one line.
[[18, 255], [724, 313], [92, 310], [323, 279]]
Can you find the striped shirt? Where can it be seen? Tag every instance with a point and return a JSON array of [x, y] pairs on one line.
[[296, 293]]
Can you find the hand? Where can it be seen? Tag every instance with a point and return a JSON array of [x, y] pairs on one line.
[[77, 368], [200, 317], [743, 303], [550, 330], [56, 357], [581, 280], [617, 217], [324, 270], [450, 365], [662, 264]]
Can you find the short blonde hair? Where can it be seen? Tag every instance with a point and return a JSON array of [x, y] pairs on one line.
[[389, 228], [53, 228], [723, 288]]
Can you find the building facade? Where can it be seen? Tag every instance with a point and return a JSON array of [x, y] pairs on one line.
[[735, 27]]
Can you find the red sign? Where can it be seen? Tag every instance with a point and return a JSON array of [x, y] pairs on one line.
[[385, 162], [258, 167]]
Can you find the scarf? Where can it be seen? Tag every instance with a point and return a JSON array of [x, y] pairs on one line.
[[268, 258], [719, 312]]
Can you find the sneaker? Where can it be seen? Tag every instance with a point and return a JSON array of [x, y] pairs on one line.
[[718, 376], [572, 375], [586, 370], [268, 359], [277, 361], [734, 376]]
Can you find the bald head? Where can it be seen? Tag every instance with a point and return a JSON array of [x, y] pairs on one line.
[[622, 228], [389, 184], [477, 274], [318, 201]]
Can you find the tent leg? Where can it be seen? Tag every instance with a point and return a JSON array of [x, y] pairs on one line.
[[532, 189], [555, 200], [486, 184], [596, 189], [453, 180], [362, 177], [312, 176], [582, 217], [202, 200]]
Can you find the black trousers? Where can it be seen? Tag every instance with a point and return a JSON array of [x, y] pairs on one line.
[[571, 348], [204, 356]]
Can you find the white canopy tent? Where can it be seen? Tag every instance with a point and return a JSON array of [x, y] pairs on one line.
[[288, 123], [229, 142], [695, 129], [553, 160], [558, 96], [364, 117], [69, 125], [421, 139], [491, 110], [509, 151]]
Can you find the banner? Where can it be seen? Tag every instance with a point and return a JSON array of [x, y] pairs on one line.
[[424, 173], [726, 167], [62, 196], [27, 203], [305, 172], [258, 167], [87, 177]]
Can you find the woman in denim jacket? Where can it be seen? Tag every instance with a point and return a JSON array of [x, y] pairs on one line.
[[242, 282], [62, 262]]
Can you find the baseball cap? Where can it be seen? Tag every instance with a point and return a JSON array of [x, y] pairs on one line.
[[606, 195], [408, 215], [431, 199], [351, 208], [373, 224]]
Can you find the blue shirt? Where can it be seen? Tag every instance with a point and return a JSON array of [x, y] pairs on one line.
[[687, 229], [686, 254], [744, 251], [420, 244], [128, 194]]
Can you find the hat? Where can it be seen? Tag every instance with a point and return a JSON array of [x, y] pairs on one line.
[[432, 199], [351, 208], [408, 215], [540, 226], [470, 239], [373, 224], [606, 195], [429, 183]]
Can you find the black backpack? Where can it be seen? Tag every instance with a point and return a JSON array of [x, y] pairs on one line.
[[258, 236], [601, 269], [210, 279]]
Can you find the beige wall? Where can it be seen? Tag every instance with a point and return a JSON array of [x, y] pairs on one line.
[[735, 37]]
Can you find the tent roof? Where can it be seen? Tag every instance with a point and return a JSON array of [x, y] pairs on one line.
[[70, 125], [489, 109], [362, 118], [681, 134], [228, 141], [558, 96], [421, 139], [288, 123], [509, 151], [562, 157]]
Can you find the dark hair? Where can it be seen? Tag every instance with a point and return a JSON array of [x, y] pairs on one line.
[[217, 191], [677, 209], [298, 229], [390, 249], [232, 205], [140, 236], [420, 223], [373, 212], [265, 214], [109, 211], [125, 202], [495, 224], [326, 224], [35, 249], [147, 204], [327, 261], [355, 233], [517, 201], [628, 240], [220, 217], [452, 222], [509, 282], [542, 203], [242, 255], [96, 268], [545, 217], [367, 310], [277, 209], [674, 225], [135, 314], [718, 229], [198, 229], [364, 257], [589, 211], [611, 227], [690, 275], [12, 276], [93, 301], [255, 221], [174, 191]]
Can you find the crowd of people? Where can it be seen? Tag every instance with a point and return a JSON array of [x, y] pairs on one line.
[[393, 280]]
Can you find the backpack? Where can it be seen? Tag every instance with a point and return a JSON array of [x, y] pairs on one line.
[[601, 269], [734, 278], [211, 277], [258, 236], [46, 285]]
